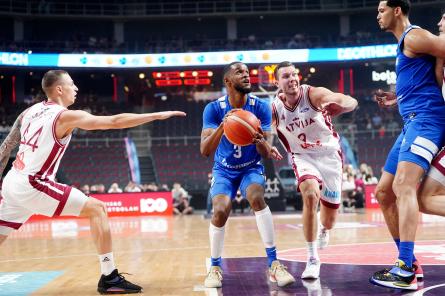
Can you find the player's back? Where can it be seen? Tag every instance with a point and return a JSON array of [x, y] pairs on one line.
[[227, 154], [416, 87], [40, 151]]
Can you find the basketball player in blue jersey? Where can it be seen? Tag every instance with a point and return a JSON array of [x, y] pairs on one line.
[[239, 167], [422, 107]]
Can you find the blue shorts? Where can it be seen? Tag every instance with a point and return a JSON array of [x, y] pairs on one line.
[[227, 181], [419, 142]]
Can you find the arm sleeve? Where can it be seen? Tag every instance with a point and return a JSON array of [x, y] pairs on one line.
[[210, 118], [265, 116]]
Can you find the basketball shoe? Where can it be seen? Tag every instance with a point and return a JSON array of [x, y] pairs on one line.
[[418, 271], [312, 270], [115, 283], [278, 274], [399, 276], [214, 278]]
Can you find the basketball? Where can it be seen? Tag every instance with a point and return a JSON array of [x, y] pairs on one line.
[[240, 127]]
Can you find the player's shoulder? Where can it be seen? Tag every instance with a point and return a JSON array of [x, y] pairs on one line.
[[219, 103], [253, 100]]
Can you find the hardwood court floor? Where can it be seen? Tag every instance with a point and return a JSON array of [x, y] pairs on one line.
[[166, 255]]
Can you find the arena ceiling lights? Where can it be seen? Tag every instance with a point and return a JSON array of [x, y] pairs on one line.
[[197, 58]]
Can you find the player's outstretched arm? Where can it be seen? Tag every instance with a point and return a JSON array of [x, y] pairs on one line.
[[72, 119], [210, 139], [333, 103], [11, 141]]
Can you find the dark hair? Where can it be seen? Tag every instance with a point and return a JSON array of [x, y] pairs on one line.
[[228, 67], [51, 77], [281, 65], [404, 5]]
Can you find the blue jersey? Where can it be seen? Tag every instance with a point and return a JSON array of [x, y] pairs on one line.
[[228, 155], [416, 87]]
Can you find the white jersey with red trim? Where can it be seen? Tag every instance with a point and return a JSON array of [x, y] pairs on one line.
[[40, 151], [305, 128]]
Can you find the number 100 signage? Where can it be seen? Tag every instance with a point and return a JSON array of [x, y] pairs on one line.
[[137, 204]]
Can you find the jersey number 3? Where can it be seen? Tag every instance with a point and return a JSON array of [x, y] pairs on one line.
[[238, 152], [32, 141]]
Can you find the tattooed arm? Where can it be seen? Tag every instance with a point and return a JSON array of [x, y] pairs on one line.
[[12, 140]]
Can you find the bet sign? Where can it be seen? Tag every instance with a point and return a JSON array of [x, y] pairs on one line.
[[389, 77]]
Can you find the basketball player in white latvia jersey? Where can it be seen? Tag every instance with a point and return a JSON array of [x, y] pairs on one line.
[[43, 132], [302, 117]]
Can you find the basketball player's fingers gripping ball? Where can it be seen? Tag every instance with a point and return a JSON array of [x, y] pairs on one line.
[[241, 127]]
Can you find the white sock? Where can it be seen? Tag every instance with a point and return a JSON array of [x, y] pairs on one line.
[[264, 222], [216, 235], [107, 263], [312, 250]]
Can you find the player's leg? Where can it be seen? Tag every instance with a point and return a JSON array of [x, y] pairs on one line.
[[78, 204], [384, 193], [223, 188], [421, 142], [12, 214], [432, 190], [252, 186], [330, 168], [12, 218], [310, 191]]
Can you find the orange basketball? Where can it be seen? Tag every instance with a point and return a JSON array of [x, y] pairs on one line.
[[240, 127]]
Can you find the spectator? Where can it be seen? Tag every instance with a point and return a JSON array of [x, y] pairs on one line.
[[239, 202], [114, 188], [100, 188], [178, 191], [132, 187], [181, 204], [85, 189]]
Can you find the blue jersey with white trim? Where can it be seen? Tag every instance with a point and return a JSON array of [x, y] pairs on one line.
[[416, 87], [227, 154]]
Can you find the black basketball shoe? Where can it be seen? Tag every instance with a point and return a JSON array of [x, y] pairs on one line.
[[115, 283]]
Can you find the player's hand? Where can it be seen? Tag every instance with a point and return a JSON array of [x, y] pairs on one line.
[[168, 114], [258, 137], [275, 154], [385, 99], [332, 109]]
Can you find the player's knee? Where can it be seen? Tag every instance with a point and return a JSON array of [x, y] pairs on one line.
[[384, 196], [328, 222], [95, 208], [402, 188], [257, 203], [220, 216], [311, 199]]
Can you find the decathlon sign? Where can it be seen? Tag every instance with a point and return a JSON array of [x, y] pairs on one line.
[[388, 76], [367, 52], [137, 204]]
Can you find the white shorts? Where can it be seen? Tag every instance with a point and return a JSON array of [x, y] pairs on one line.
[[24, 196], [326, 169], [437, 169]]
